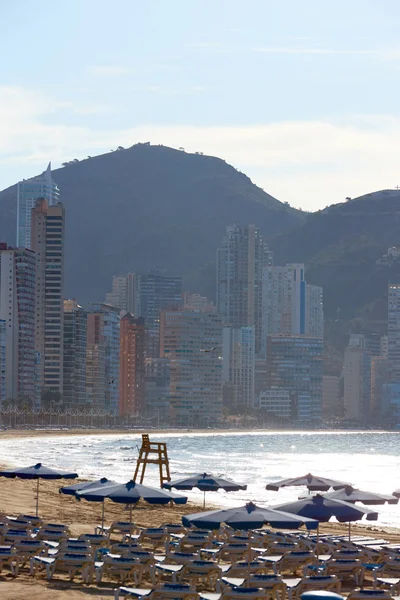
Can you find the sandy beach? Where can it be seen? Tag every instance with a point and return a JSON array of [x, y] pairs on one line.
[[18, 496]]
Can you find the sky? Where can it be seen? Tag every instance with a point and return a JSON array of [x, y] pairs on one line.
[[302, 96]]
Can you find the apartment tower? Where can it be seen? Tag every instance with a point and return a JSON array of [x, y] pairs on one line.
[[47, 239], [132, 366], [17, 315], [28, 191], [240, 262], [75, 342]]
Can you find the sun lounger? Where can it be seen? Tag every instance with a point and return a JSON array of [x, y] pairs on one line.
[[162, 569], [125, 568], [8, 558], [369, 595], [175, 591], [73, 564], [155, 537], [201, 571], [390, 583], [124, 592], [96, 540], [120, 527], [345, 569], [272, 583], [231, 552], [292, 561], [25, 549], [181, 558], [250, 593], [244, 568], [329, 583]]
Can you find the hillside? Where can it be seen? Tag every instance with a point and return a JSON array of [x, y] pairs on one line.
[[151, 207], [340, 246]]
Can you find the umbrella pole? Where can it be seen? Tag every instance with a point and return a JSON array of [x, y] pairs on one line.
[[204, 499], [130, 524], [37, 497], [349, 531], [102, 518], [318, 541]]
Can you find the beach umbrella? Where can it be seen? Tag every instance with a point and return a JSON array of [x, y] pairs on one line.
[[38, 472], [205, 483], [323, 509], [314, 483], [130, 493], [396, 493], [350, 494], [248, 517], [71, 490]]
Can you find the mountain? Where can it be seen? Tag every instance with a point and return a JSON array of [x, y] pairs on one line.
[[340, 246], [151, 207]]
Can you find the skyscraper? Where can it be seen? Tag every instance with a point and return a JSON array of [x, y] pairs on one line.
[[394, 329], [123, 293], [192, 341], [357, 380], [155, 292], [102, 356], [132, 368], [3, 331], [290, 305], [47, 240], [240, 261], [28, 191], [74, 356], [238, 352], [294, 363], [17, 309]]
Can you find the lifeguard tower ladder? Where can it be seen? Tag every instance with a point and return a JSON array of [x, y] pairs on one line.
[[152, 453]]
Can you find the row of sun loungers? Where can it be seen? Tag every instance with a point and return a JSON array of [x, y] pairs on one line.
[[172, 562]]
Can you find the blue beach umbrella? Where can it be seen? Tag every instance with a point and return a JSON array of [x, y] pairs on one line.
[[313, 483], [247, 517], [130, 493], [71, 490], [205, 483], [323, 509], [350, 494], [38, 472]]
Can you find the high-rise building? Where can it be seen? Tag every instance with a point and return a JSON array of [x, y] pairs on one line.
[[192, 341], [74, 355], [290, 305], [155, 292], [28, 192], [240, 261], [198, 302], [17, 309], [294, 363], [331, 396], [123, 293], [276, 402], [3, 331], [102, 356], [357, 380], [314, 311], [394, 329], [158, 378], [132, 368], [47, 241], [238, 352]]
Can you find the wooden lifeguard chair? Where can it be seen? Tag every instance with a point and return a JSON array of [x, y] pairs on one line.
[[152, 453]]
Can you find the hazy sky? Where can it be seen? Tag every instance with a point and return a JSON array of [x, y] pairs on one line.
[[303, 96]]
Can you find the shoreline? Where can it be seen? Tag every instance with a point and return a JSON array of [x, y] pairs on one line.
[[56, 432]]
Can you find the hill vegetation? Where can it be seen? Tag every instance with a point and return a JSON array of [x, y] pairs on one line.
[[151, 207]]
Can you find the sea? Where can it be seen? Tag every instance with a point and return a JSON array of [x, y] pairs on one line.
[[367, 460]]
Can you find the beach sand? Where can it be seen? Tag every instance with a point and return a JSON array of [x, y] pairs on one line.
[[18, 496]]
